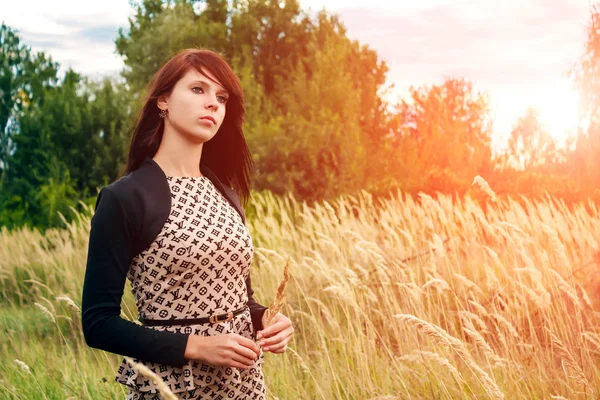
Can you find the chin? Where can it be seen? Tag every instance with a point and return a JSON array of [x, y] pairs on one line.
[[201, 137]]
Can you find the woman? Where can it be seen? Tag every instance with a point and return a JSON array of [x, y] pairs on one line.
[[174, 226]]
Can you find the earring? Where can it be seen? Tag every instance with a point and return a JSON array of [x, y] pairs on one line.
[[162, 113]]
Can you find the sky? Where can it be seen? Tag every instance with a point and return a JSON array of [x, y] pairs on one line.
[[517, 52]]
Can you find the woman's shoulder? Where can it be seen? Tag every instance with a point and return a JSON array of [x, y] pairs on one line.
[[144, 186], [125, 187], [118, 199], [143, 198]]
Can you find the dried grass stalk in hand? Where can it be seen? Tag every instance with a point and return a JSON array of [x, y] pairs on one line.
[[279, 301]]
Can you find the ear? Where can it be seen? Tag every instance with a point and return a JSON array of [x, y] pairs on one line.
[[161, 102]]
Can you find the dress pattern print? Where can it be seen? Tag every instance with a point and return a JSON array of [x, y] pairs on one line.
[[196, 266]]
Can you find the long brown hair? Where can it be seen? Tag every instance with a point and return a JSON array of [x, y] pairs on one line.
[[227, 153]]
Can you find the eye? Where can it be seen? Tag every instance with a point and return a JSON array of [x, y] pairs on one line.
[[223, 99], [197, 87]]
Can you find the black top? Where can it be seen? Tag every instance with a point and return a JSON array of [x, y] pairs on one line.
[[129, 214]]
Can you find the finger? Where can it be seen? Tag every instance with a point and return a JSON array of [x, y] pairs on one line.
[[277, 346], [237, 364], [277, 338], [243, 360], [246, 352], [249, 344], [280, 347], [276, 327], [261, 333], [282, 350], [268, 331]]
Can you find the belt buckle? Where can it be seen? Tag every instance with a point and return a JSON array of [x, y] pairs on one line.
[[215, 317]]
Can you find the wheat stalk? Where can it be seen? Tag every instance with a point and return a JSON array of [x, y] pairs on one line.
[[45, 311], [485, 347], [439, 359], [23, 366], [506, 324], [163, 389], [592, 338], [69, 301], [301, 362], [440, 336], [279, 301], [569, 360], [469, 284], [483, 185], [469, 317], [437, 283]]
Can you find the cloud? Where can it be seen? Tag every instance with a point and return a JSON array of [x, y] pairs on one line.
[[76, 34], [491, 42], [514, 50]]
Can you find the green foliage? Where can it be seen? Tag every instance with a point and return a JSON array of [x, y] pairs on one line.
[[23, 77], [313, 108], [316, 120], [68, 144], [321, 148], [57, 194], [159, 31]]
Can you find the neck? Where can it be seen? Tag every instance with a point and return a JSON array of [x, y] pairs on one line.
[[177, 156]]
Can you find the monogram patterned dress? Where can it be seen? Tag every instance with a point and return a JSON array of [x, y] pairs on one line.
[[196, 266]]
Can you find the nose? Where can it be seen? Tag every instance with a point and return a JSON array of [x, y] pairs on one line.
[[212, 103]]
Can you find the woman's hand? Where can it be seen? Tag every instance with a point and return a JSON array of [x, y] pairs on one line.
[[229, 349], [276, 337]]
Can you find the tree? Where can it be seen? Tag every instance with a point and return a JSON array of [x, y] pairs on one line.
[[584, 159], [530, 146], [80, 131], [63, 137], [56, 194], [451, 128], [160, 29], [23, 77], [315, 110], [325, 144]]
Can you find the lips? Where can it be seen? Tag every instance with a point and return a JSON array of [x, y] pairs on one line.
[[210, 119]]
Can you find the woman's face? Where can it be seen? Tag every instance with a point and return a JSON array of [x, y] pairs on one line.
[[196, 106]]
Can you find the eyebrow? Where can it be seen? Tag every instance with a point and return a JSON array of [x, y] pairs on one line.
[[206, 84]]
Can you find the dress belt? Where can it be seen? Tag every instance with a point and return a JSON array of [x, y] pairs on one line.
[[193, 321]]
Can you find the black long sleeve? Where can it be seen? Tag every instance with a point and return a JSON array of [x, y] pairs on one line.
[[256, 310], [109, 257]]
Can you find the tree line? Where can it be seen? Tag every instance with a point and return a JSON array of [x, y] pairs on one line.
[[316, 119]]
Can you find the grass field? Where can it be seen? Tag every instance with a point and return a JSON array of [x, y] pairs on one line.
[[409, 298]]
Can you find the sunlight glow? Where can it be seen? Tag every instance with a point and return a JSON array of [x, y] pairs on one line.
[[558, 106], [556, 101]]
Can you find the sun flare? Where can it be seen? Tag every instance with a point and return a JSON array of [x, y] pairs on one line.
[[558, 107]]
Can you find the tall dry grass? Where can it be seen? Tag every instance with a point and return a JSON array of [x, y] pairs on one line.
[[408, 298]]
